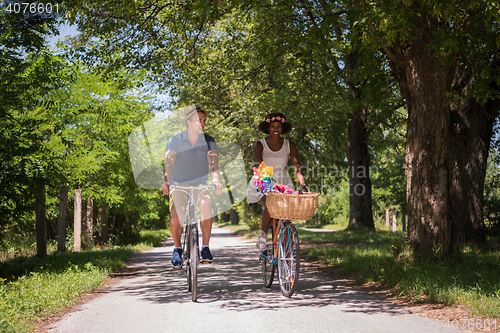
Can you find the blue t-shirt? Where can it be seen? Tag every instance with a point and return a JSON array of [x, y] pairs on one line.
[[191, 163]]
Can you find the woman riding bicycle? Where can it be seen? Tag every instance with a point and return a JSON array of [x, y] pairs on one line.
[[276, 152]]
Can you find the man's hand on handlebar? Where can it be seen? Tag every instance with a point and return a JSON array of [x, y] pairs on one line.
[[164, 188], [217, 187]]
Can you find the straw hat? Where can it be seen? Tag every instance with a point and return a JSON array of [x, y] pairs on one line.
[[190, 110]]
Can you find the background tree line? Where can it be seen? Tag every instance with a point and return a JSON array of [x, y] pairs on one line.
[[342, 71]]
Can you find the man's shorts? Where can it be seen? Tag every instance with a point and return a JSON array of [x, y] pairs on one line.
[[179, 198]]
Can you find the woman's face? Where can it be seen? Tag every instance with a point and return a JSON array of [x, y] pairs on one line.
[[275, 128]]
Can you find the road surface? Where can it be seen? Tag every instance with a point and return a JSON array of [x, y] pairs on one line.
[[152, 297]]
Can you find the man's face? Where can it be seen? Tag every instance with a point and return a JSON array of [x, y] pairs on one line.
[[197, 122]]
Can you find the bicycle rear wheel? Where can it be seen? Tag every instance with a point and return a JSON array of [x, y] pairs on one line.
[[194, 262], [288, 259], [266, 259]]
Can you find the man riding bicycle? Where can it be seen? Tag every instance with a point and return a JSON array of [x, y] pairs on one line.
[[189, 156]]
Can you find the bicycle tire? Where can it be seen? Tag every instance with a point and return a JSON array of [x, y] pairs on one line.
[[288, 259], [194, 262], [186, 255], [267, 260]]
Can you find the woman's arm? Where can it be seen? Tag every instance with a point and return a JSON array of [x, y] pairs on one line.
[[258, 148], [294, 156]]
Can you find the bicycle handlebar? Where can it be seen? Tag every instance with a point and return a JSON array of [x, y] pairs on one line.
[[179, 187]]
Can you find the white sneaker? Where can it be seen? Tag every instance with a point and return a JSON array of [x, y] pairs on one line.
[[262, 241]]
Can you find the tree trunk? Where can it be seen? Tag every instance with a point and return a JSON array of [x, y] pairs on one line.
[[447, 145], [360, 185], [61, 222], [102, 224], [425, 80], [233, 216], [471, 128]]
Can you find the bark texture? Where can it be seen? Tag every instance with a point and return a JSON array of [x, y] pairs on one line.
[[425, 81]]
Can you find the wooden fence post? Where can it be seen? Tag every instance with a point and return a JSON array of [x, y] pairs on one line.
[[41, 221], [387, 218], [77, 246], [61, 221], [394, 220]]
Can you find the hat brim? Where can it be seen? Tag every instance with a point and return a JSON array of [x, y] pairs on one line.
[[186, 117], [264, 127]]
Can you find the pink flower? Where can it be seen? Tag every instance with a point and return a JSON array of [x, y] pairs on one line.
[[273, 118], [283, 120], [268, 120]]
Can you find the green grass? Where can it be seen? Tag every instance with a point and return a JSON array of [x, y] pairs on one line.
[[33, 289]]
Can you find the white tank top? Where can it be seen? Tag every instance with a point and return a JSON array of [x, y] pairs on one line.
[[279, 161]]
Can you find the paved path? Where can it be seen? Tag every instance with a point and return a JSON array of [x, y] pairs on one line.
[[153, 298]]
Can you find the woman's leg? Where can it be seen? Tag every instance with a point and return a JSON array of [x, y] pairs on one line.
[[266, 218]]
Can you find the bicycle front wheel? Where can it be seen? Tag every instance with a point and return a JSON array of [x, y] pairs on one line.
[[267, 261], [194, 262], [186, 246], [288, 259]]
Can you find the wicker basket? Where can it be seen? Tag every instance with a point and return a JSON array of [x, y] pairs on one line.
[[292, 206]]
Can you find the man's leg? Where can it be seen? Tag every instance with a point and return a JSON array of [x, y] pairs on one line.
[[205, 204], [177, 213], [175, 227]]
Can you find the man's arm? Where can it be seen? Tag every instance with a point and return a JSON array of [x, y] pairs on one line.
[[213, 162], [168, 167]]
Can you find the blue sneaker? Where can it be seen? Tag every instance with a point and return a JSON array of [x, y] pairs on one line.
[[177, 259], [206, 256]]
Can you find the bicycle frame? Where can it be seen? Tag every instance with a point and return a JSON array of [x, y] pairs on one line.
[[284, 255], [189, 250], [280, 233]]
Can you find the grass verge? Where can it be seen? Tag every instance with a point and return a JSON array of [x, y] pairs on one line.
[[469, 279], [33, 289]]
